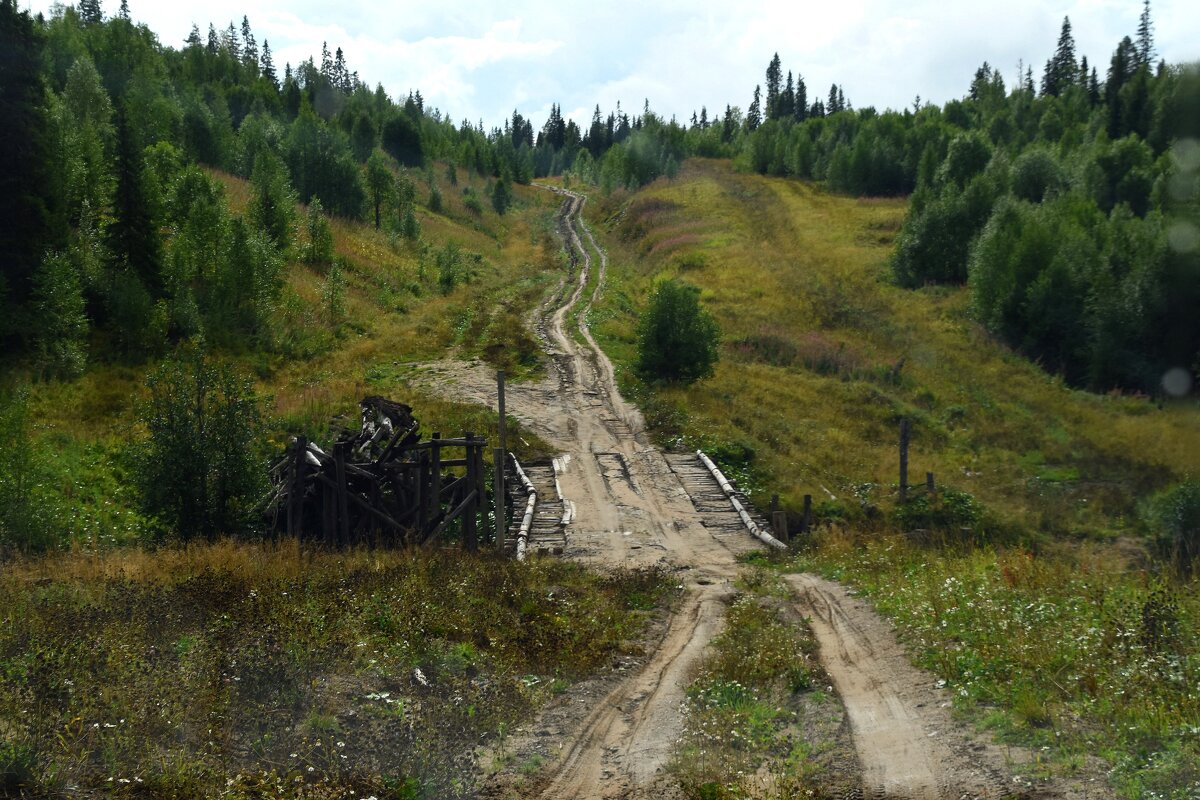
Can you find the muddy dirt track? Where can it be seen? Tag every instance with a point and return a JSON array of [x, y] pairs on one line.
[[613, 737]]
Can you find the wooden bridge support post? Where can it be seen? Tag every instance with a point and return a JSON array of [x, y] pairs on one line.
[[470, 532], [904, 460], [435, 477], [779, 524], [343, 502], [498, 460], [295, 507]]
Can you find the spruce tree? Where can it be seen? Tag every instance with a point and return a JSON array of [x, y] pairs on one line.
[[832, 106], [90, 13], [787, 102], [754, 114], [1061, 70], [268, 65], [1145, 36], [133, 237], [801, 104], [774, 79], [249, 46], [25, 194]]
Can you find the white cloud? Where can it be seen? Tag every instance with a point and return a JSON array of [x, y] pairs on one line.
[[480, 60]]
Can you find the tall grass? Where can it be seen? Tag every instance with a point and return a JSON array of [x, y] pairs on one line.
[[182, 672], [1071, 651]]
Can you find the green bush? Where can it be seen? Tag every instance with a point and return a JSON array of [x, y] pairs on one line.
[[947, 510], [199, 472], [677, 338], [1173, 516]]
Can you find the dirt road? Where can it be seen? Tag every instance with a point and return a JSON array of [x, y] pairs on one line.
[[612, 737]]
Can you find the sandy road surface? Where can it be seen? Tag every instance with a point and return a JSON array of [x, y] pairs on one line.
[[611, 739]]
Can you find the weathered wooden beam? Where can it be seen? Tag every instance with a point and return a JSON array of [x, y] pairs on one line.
[[343, 507], [453, 515]]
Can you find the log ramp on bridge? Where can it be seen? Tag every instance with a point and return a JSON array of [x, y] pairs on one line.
[[548, 533]]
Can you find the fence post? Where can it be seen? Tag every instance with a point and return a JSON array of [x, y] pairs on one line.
[[806, 525], [904, 460], [930, 486]]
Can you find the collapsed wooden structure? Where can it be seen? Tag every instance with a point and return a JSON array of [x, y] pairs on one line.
[[382, 486]]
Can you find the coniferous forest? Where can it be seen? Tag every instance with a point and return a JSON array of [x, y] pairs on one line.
[[1051, 197]]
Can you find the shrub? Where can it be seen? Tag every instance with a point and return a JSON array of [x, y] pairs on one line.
[[677, 338], [319, 247], [199, 472], [1174, 517]]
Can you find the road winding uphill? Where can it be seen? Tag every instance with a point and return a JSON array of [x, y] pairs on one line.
[[628, 507]]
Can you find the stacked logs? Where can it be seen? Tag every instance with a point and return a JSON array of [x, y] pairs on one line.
[[380, 486]]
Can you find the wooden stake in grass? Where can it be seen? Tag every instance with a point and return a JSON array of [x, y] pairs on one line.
[[904, 460], [806, 524]]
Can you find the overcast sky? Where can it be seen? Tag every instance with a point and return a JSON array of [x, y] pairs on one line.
[[480, 60]]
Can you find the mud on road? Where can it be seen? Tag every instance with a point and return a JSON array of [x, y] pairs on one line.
[[613, 736]]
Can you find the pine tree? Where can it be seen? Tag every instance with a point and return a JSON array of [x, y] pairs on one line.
[[774, 78], [1145, 34], [214, 42], [754, 114], [800, 110], [124, 11], [90, 13], [832, 106], [787, 102]]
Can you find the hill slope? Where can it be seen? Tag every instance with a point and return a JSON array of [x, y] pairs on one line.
[[822, 356]]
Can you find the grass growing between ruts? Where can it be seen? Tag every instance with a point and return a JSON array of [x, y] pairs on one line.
[[251, 671], [743, 735]]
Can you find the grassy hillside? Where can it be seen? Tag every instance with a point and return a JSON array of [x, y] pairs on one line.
[[1058, 632], [822, 356], [397, 309]]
